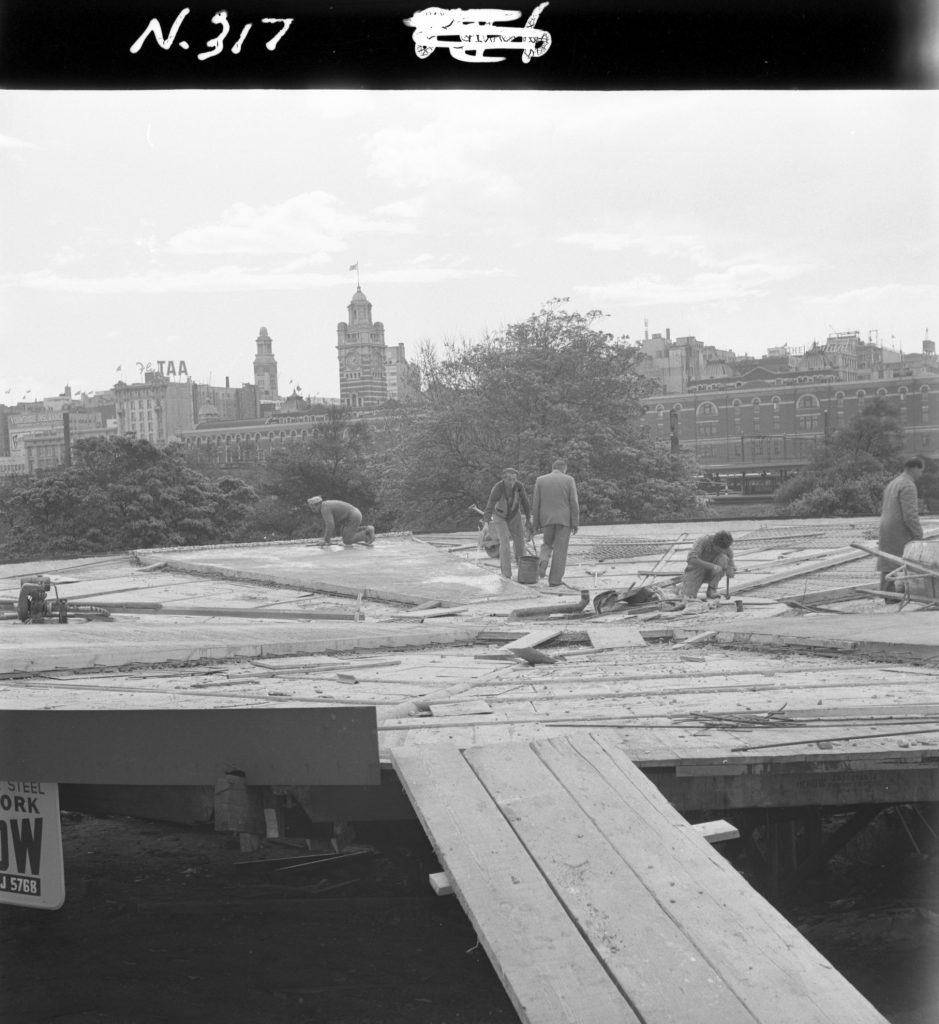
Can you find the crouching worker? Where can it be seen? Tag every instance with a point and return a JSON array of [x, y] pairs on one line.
[[708, 560], [342, 518]]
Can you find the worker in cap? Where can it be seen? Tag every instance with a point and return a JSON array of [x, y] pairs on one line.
[[507, 504], [339, 517]]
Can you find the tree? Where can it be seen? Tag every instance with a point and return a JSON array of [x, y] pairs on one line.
[[553, 385], [848, 472], [334, 464], [119, 494]]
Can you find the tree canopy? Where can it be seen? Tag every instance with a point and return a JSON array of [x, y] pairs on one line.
[[334, 464], [849, 471], [119, 494], [554, 385]]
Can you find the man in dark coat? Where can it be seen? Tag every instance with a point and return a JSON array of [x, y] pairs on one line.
[[899, 517]]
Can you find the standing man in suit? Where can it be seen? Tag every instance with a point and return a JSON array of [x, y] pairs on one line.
[[556, 515]]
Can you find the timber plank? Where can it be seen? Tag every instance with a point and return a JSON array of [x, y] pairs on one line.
[[805, 569], [665, 976], [548, 970], [773, 969], [532, 639]]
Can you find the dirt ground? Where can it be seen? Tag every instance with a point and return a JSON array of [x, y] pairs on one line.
[[159, 927]]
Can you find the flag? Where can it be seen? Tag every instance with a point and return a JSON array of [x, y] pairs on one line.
[[118, 370], [354, 266]]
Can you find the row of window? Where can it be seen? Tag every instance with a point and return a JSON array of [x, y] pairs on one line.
[[778, 447], [709, 409], [804, 422], [722, 385]]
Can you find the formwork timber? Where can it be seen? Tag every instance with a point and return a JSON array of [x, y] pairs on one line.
[[725, 723], [728, 723], [597, 903]]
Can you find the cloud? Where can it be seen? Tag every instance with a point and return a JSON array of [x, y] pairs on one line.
[[294, 276], [9, 142], [409, 208], [687, 246], [740, 281], [893, 292], [313, 222]]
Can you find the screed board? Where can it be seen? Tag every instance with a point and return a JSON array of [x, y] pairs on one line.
[[567, 859], [776, 973], [546, 966]]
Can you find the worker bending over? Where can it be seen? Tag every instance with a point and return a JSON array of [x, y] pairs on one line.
[[709, 559], [342, 518]]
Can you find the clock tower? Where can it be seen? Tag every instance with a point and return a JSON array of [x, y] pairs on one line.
[[361, 349], [265, 368]]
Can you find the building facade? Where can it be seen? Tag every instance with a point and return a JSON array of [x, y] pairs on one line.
[[213, 403], [361, 351], [265, 369], [250, 441], [39, 436], [403, 380], [158, 410], [764, 427]]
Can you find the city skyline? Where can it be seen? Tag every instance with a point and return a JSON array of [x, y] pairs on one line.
[[147, 226]]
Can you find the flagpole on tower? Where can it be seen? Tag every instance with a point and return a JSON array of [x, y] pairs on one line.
[[355, 267]]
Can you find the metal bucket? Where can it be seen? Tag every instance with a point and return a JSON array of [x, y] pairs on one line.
[[528, 569]]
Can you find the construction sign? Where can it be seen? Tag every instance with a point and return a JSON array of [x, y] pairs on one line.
[[31, 866]]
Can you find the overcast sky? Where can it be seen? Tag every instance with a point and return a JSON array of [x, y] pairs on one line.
[[143, 226]]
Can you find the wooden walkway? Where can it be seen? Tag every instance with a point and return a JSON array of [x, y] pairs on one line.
[[597, 903]]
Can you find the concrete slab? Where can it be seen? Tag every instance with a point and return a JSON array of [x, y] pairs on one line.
[[888, 631], [400, 569], [152, 641]]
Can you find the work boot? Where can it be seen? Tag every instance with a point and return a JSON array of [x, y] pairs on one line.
[[369, 534], [713, 594]]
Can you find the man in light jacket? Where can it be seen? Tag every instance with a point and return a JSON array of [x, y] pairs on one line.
[[556, 515], [899, 517]]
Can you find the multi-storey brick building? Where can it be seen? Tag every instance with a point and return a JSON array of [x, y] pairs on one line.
[[371, 374], [403, 379], [215, 403], [38, 436], [158, 410], [756, 428]]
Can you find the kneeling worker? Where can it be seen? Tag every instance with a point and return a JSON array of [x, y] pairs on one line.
[[342, 518], [710, 557]]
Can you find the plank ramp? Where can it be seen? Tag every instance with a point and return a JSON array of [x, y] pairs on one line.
[[598, 903]]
